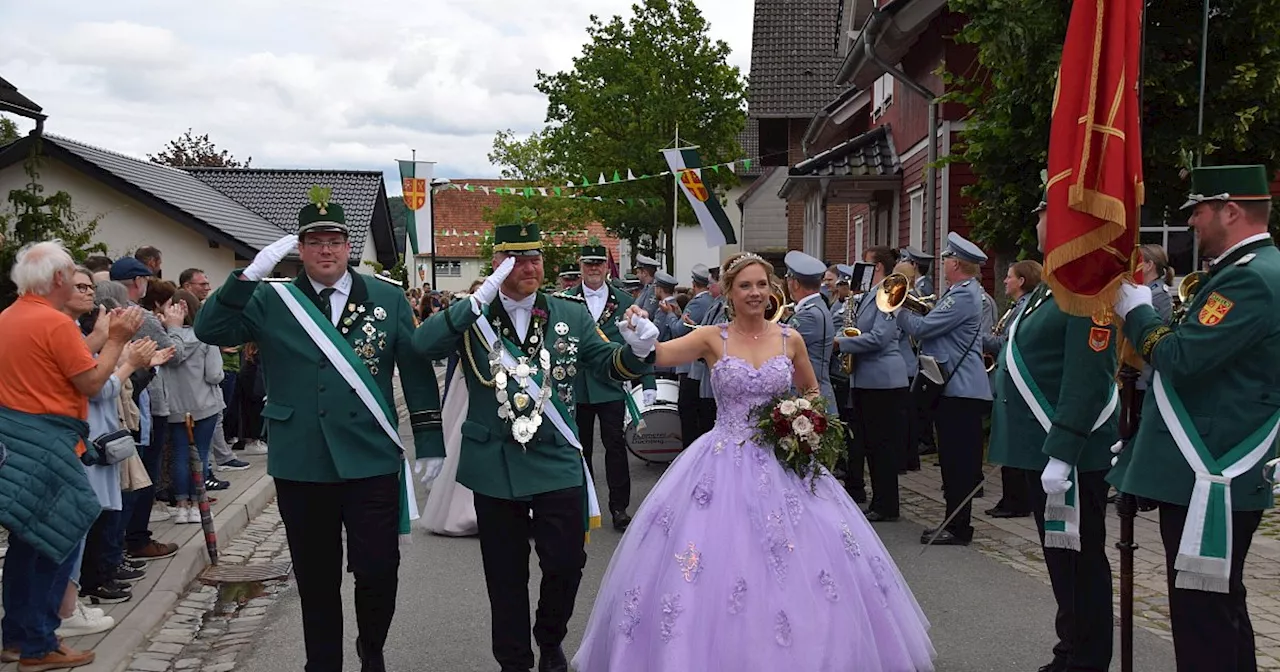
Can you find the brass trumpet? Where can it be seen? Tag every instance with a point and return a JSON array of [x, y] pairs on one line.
[[778, 304], [895, 292], [1187, 293]]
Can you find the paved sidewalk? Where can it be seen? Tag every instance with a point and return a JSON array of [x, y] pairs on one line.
[[1014, 541], [153, 597]]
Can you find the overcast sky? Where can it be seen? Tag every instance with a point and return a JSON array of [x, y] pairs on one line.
[[314, 83]]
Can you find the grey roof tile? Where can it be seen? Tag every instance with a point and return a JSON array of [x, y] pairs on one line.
[[278, 195], [871, 153], [793, 57], [749, 138], [182, 191]]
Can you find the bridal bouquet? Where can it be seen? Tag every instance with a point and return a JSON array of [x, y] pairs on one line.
[[802, 435]]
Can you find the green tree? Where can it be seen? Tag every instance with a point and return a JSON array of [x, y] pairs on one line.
[[8, 131], [1010, 95], [634, 83], [35, 217], [196, 151]]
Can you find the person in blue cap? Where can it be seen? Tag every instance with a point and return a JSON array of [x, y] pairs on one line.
[[950, 335], [924, 264], [812, 317], [666, 314], [646, 270], [842, 306], [694, 312], [715, 314]]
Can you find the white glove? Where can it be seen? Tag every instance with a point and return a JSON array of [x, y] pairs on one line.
[[1056, 477], [265, 261], [488, 291], [1115, 450], [642, 335], [650, 397], [1132, 296], [428, 468]]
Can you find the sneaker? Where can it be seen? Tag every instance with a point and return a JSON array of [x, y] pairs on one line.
[[108, 593], [154, 550], [134, 564], [125, 574], [83, 623], [233, 465], [214, 483], [10, 655], [62, 658], [159, 515], [92, 612], [255, 447]]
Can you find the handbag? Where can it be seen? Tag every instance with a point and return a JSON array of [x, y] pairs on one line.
[[928, 391], [111, 448]]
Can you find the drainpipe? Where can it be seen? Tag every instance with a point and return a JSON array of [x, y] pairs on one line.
[[930, 176]]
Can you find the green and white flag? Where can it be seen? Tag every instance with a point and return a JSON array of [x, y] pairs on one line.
[[415, 182], [687, 166]]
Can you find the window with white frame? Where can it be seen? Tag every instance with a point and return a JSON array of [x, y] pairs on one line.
[[449, 269], [916, 235], [883, 227], [813, 221], [859, 223], [881, 95], [1178, 241]]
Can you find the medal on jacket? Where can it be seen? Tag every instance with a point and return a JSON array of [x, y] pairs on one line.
[[513, 407]]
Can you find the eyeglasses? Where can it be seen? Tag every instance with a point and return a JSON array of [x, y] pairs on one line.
[[84, 289], [325, 244]]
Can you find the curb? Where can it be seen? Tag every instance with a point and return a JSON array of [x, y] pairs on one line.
[[115, 651]]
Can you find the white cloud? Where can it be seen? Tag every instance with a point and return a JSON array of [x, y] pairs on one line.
[[302, 83]]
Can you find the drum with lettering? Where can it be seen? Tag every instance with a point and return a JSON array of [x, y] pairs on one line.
[[660, 440]]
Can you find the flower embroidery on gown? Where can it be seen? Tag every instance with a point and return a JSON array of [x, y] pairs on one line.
[[732, 563]]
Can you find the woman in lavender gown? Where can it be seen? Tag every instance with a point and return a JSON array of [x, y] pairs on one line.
[[733, 563]]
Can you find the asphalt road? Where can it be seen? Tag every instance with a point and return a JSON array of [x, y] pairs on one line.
[[986, 616]]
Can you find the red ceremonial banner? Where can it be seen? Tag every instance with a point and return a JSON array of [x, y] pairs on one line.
[[1095, 157]]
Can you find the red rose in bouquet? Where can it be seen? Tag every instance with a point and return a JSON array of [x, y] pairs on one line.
[[819, 423], [782, 427]]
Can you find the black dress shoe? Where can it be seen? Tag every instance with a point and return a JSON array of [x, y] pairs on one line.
[[551, 659], [621, 519], [371, 663], [877, 517], [1055, 666], [927, 450], [945, 539], [1005, 513], [993, 510]]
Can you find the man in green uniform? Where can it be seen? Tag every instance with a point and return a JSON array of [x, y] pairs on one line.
[[1055, 416], [1210, 416], [524, 353], [600, 396], [329, 343]]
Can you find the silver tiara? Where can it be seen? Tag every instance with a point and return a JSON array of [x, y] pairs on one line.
[[746, 258]]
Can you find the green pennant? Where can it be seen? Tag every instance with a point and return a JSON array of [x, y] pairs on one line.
[[557, 190], [631, 202], [585, 181], [746, 163], [715, 169], [616, 176], [528, 191], [469, 188]]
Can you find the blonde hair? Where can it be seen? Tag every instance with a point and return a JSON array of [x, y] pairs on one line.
[[907, 268], [739, 262]]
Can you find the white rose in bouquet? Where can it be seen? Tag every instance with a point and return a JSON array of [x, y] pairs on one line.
[[803, 404], [788, 407], [789, 443], [802, 426]]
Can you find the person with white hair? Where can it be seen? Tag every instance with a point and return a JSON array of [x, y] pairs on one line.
[[47, 375]]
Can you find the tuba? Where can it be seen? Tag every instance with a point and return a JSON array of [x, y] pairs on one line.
[[848, 331], [1186, 294], [778, 309], [895, 293]]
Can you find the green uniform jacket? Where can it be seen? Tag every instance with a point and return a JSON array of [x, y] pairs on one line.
[[492, 463], [1073, 362], [320, 431], [601, 388], [1221, 361]]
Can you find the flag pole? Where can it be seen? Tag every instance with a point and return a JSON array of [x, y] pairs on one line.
[[1204, 63], [675, 208]]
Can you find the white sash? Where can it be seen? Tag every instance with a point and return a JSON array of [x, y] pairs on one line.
[[343, 367]]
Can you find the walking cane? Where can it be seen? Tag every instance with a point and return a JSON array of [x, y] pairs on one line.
[[202, 500], [1127, 509]]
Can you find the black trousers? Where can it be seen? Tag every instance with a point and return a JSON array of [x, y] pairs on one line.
[[557, 530], [855, 472], [616, 470], [925, 419], [706, 413], [879, 433], [687, 404], [1081, 580], [95, 570], [959, 423], [1211, 631], [314, 516], [1016, 497], [911, 451]]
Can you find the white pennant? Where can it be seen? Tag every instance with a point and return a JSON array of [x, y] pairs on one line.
[[630, 175]]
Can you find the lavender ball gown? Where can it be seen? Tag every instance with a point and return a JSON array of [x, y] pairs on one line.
[[732, 564]]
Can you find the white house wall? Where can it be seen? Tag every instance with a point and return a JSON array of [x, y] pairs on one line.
[[126, 224], [764, 215]]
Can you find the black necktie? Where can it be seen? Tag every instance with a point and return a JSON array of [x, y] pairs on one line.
[[325, 306]]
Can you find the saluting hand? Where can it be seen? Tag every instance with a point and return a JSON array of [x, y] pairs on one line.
[[488, 290]]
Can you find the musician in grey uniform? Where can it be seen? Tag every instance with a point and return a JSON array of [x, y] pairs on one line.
[[666, 314], [951, 335], [812, 318], [646, 271], [694, 312], [924, 264], [878, 394], [841, 306], [698, 370]]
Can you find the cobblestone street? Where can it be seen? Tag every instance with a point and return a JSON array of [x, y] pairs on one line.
[[1014, 542]]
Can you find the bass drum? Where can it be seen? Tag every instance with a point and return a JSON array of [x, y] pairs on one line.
[[660, 441]]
